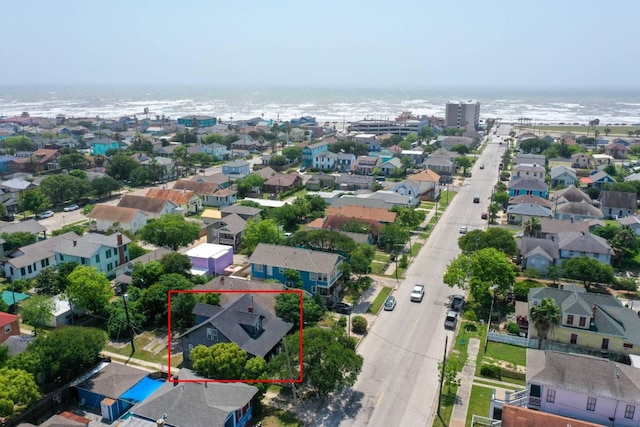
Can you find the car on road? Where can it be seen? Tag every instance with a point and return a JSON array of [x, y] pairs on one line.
[[463, 229], [457, 301], [7, 218], [390, 303], [342, 307], [451, 320], [484, 215], [45, 214], [476, 199], [71, 207], [481, 166], [417, 293]]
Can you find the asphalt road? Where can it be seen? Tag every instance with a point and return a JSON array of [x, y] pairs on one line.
[[398, 384]]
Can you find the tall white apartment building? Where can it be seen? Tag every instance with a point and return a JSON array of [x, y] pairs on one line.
[[459, 114]]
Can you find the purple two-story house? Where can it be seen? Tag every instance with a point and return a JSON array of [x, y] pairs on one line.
[[209, 259]]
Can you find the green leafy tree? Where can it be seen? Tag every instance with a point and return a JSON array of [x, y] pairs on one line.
[[19, 143], [105, 185], [172, 231], [76, 228], [464, 163], [17, 387], [587, 270], [497, 238], [248, 184], [90, 289], [461, 149], [136, 251], [261, 231], [64, 187], [120, 166], [37, 311], [287, 216], [451, 374], [502, 198], [409, 217], [211, 298], [154, 302], [213, 138], [288, 309], [18, 240], [32, 200], [222, 361], [175, 262], [324, 240], [292, 153], [48, 282], [73, 161], [544, 317], [145, 275], [330, 362], [393, 236], [625, 244]]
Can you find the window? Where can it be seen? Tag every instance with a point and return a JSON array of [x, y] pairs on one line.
[[212, 334], [190, 348], [627, 345], [570, 319], [629, 411], [605, 343], [47, 262], [276, 270], [313, 289], [42, 263], [259, 268], [29, 268], [110, 266], [7, 329], [97, 258], [61, 257], [269, 270], [551, 396], [313, 277], [22, 271], [583, 321], [574, 338], [591, 404], [108, 253]]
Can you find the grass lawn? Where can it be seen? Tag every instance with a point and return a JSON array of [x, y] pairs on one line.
[[378, 268], [427, 205], [140, 342], [273, 417], [467, 330], [509, 353], [380, 299], [479, 402], [491, 384], [398, 273], [446, 407], [445, 198], [433, 221], [582, 130], [415, 249], [381, 256]]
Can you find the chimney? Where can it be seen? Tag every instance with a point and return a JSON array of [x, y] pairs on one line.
[[582, 232], [160, 422], [595, 308], [75, 243], [119, 239], [221, 280], [250, 309]]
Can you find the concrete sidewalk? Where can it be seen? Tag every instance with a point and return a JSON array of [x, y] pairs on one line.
[[460, 408], [137, 363]]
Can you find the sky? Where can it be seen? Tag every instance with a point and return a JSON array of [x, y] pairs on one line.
[[447, 43]]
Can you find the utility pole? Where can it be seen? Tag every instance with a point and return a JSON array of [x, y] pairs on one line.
[[125, 298], [444, 363]]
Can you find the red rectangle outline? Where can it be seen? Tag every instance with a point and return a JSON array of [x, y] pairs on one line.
[[193, 291]]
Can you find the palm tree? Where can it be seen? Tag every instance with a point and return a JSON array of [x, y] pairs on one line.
[[623, 241], [532, 227], [637, 132], [607, 131], [630, 132], [544, 317]]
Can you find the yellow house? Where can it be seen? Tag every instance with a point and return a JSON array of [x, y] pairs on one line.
[[594, 321]]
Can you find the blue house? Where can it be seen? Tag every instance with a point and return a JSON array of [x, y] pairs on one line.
[[105, 253], [215, 149], [101, 147], [4, 163], [520, 186], [320, 271], [197, 121], [311, 151], [236, 167]]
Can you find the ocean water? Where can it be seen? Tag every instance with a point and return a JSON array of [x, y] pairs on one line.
[[614, 106]]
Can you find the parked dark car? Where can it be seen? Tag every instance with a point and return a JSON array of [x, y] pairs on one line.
[[7, 218], [342, 307]]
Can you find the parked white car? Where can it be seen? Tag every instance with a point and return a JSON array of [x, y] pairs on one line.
[[71, 207], [45, 214], [417, 293]]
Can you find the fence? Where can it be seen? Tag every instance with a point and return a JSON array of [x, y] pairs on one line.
[[513, 340]]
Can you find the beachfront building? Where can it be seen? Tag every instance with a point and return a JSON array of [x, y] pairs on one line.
[[381, 127], [459, 114], [197, 121], [311, 151]]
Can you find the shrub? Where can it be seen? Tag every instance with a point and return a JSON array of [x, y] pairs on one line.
[[403, 261], [513, 328], [342, 322], [533, 273], [358, 325], [470, 315], [491, 371], [521, 289], [6, 407]]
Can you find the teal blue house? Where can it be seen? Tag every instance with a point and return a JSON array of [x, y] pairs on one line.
[[103, 252], [520, 186], [311, 151], [319, 271], [101, 147], [197, 121]]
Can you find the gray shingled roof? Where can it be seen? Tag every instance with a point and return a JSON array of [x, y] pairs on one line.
[[30, 226], [87, 245], [555, 226], [570, 194], [560, 170], [241, 210], [232, 223], [113, 380], [195, 404], [619, 200], [530, 199], [528, 184], [583, 242], [145, 204], [579, 208], [529, 244], [601, 175], [295, 258], [40, 250], [529, 210], [566, 371]]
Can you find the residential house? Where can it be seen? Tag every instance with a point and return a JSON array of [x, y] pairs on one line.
[[601, 159], [416, 155], [361, 199], [230, 283], [282, 182], [265, 172], [101, 146], [318, 182], [577, 211], [524, 185], [324, 161], [423, 186], [529, 159], [9, 326], [388, 199], [153, 255], [632, 222], [441, 165], [599, 179], [526, 135], [391, 167], [563, 176], [208, 259], [29, 226], [354, 182], [64, 313], [526, 170], [617, 151], [227, 231], [520, 213], [346, 162], [529, 199], [244, 144], [335, 223], [161, 167], [573, 244], [517, 416], [10, 191], [581, 161], [28, 261], [320, 271], [447, 154], [244, 322], [366, 164], [310, 151], [217, 150], [245, 212], [154, 208], [618, 204], [196, 121], [448, 142], [538, 253], [219, 179], [197, 404], [236, 168], [210, 193], [558, 383], [4, 162], [40, 160], [107, 217], [188, 201], [550, 227], [103, 252], [381, 215]]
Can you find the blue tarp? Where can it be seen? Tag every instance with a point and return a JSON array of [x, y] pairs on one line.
[[142, 390], [7, 296]]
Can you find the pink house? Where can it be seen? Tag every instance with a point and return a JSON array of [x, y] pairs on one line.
[[208, 259]]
